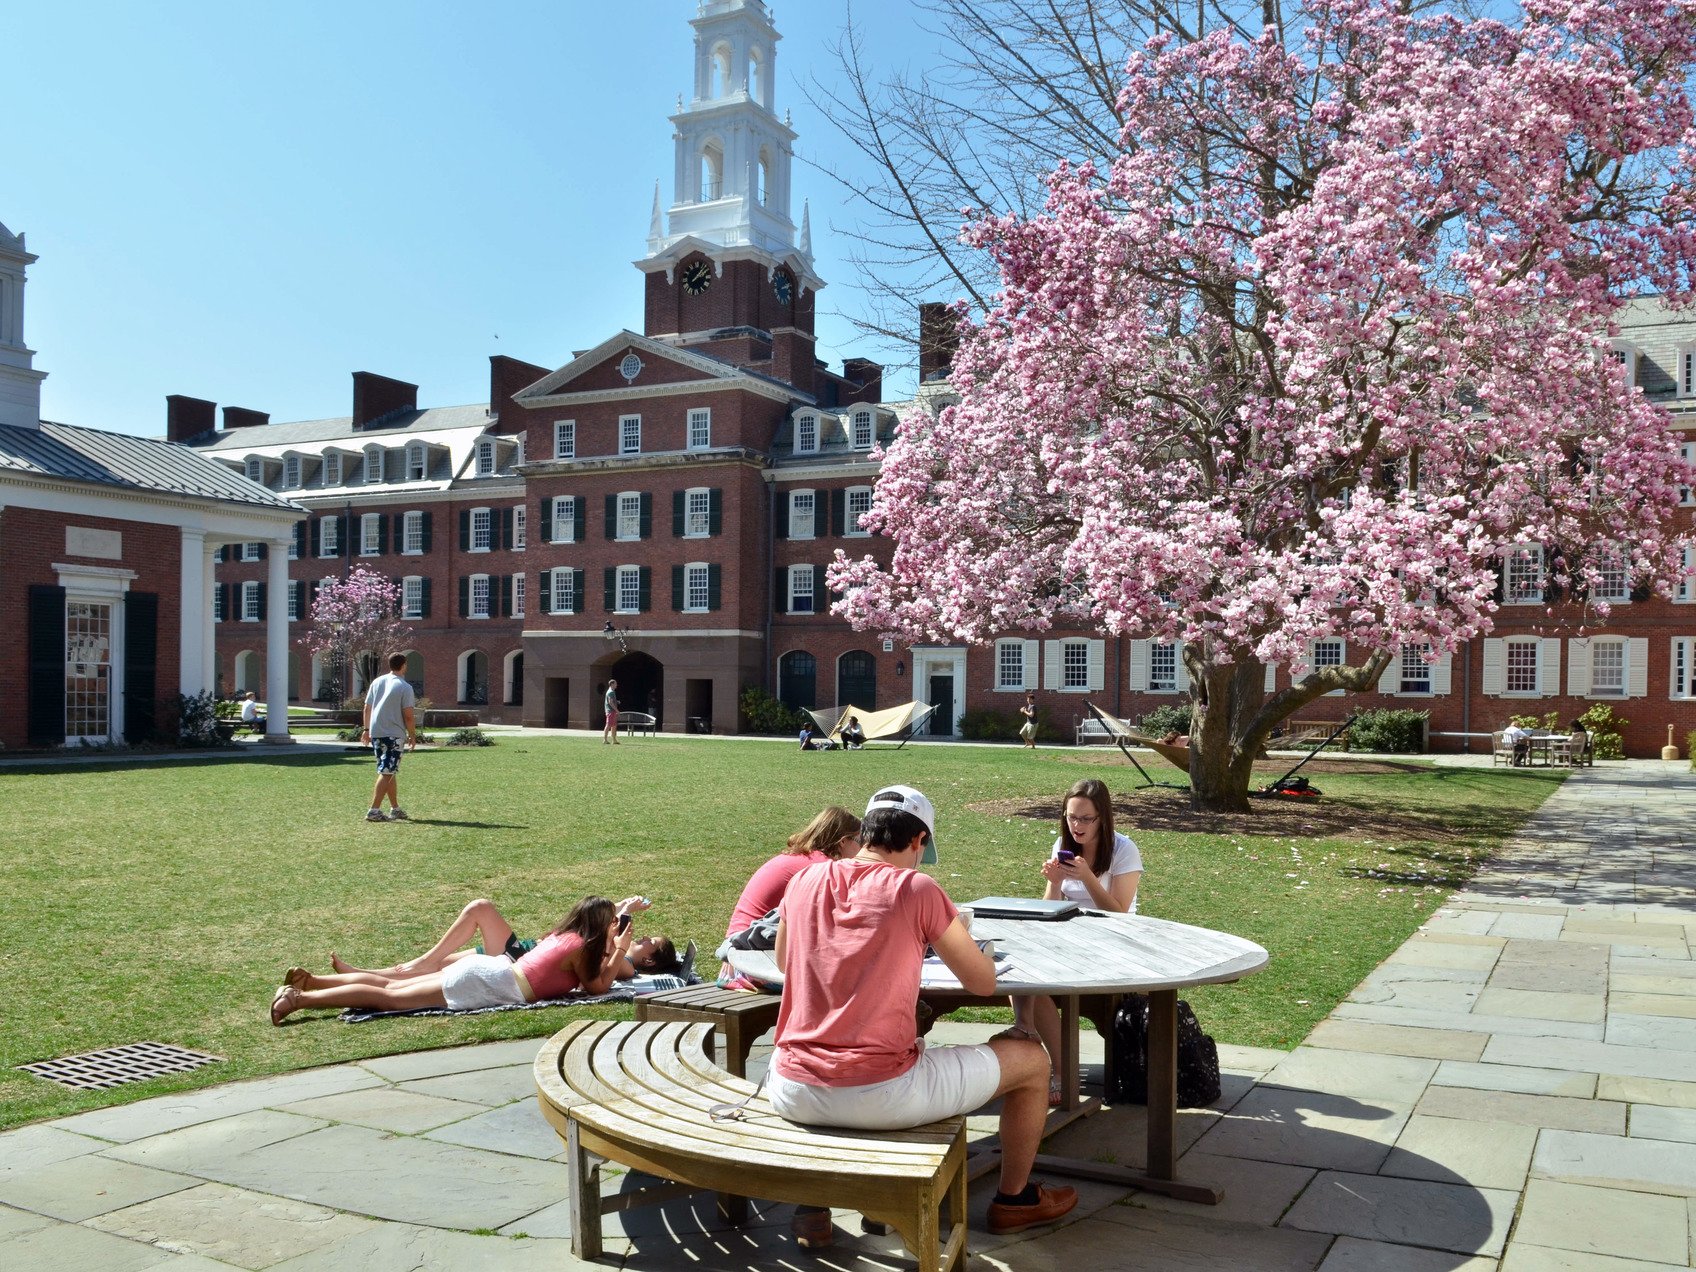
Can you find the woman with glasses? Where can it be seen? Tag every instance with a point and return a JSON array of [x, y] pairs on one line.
[[1094, 865]]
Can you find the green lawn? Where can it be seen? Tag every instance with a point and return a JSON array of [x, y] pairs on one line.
[[163, 901]]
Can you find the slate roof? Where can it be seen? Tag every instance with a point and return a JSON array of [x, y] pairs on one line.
[[275, 438], [135, 463]]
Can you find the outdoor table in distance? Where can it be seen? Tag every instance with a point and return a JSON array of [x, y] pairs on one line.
[[1095, 956]]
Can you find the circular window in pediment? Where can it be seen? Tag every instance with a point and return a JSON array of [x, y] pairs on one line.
[[630, 368]]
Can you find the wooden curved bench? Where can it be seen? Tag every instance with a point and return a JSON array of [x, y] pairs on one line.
[[638, 1094]]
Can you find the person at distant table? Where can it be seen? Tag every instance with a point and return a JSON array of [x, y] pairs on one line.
[[1520, 740], [251, 715]]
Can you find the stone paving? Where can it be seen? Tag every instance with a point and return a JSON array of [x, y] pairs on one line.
[[1514, 1090]]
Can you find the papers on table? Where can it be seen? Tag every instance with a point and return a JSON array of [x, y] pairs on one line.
[[934, 973]]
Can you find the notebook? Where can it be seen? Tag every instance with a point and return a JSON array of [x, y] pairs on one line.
[[1023, 908]]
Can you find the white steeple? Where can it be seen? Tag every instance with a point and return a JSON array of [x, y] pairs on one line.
[[20, 383]]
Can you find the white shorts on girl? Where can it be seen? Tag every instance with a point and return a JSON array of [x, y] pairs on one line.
[[481, 980], [945, 1081]]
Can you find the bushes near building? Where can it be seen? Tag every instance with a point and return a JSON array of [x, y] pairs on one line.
[[1389, 731], [762, 713]]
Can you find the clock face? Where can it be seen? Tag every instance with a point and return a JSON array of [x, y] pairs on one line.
[[782, 286], [697, 278]]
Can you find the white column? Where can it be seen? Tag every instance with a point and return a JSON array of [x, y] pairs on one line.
[[191, 618], [277, 642], [208, 629]]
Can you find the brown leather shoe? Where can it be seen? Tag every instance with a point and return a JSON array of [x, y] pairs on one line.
[[811, 1227], [1051, 1204]]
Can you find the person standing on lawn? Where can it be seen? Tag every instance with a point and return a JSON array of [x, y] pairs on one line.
[[851, 940], [389, 704], [609, 708]]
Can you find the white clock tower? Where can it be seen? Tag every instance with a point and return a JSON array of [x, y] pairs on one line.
[[20, 383]]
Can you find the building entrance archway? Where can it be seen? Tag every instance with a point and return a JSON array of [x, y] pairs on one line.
[[641, 687]]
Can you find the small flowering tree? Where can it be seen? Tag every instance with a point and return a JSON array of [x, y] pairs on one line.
[[356, 622], [1313, 354]]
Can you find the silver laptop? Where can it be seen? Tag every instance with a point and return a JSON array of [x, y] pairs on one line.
[[1023, 908]]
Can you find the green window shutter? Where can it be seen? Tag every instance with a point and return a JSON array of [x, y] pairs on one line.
[[545, 518], [424, 597], [780, 590], [506, 528], [506, 587], [264, 548], [425, 536], [612, 516], [838, 512], [781, 517], [46, 712], [579, 602], [713, 586], [465, 596], [677, 587], [261, 591], [579, 518], [643, 575], [677, 514], [646, 530], [715, 511], [383, 536], [611, 579], [465, 529]]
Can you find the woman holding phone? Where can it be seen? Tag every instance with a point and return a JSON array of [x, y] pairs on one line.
[[589, 949], [1099, 868]]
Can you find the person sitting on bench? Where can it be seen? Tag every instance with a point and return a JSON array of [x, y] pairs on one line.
[[251, 715], [851, 940]]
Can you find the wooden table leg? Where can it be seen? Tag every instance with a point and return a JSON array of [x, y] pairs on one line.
[[1163, 1084], [1068, 1057]]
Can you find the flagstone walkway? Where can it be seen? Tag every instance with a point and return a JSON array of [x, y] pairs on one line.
[[1514, 1090]]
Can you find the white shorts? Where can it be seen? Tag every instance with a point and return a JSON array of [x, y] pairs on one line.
[[482, 980], [945, 1081]]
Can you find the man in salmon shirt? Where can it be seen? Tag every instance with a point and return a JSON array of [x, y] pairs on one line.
[[851, 939]]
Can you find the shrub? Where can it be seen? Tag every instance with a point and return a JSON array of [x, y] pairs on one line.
[[349, 735], [467, 737], [1168, 719], [1393, 732], [985, 724], [1604, 727], [762, 713], [1690, 747], [1549, 722], [197, 719]]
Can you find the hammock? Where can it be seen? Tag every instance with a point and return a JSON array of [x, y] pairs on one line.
[[902, 721], [1123, 734]]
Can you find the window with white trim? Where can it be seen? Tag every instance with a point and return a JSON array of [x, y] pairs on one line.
[[486, 457], [415, 462], [630, 515], [629, 434], [1523, 576], [332, 468], [800, 589], [412, 534], [370, 528], [565, 518], [802, 514], [1687, 494], [329, 536], [1521, 665], [250, 551], [1162, 668], [695, 587], [291, 472], [865, 431], [700, 428], [1327, 652], [294, 541], [1682, 683], [1415, 670], [858, 503], [518, 595], [806, 433], [255, 469], [294, 591], [565, 439], [250, 602], [373, 464], [564, 600], [1010, 664], [697, 513], [1074, 664], [480, 592], [482, 529], [1607, 667], [1685, 592], [629, 593], [1613, 583], [218, 604], [412, 597], [518, 527]]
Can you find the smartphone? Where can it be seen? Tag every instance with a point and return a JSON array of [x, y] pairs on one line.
[[1066, 854], [624, 923]]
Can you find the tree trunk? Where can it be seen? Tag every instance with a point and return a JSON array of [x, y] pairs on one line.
[[1225, 736]]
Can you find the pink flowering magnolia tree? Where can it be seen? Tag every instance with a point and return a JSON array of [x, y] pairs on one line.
[[1321, 346], [356, 622]]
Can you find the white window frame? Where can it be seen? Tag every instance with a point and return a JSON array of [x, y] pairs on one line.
[[565, 439], [1687, 452], [486, 457], [867, 419], [1413, 659], [1162, 651], [1685, 592], [291, 472], [697, 524], [294, 589], [1614, 562], [1524, 562], [518, 594], [370, 528], [806, 433], [1681, 673], [629, 520], [294, 544], [1010, 655], [696, 581], [627, 590], [412, 596], [330, 535], [556, 576], [1074, 666], [1522, 642], [812, 514], [217, 605], [417, 462], [412, 533], [487, 516], [488, 597], [630, 435], [801, 589], [850, 519], [249, 551], [565, 518], [373, 465], [255, 469], [1613, 647], [332, 468], [250, 601], [519, 531], [698, 428]]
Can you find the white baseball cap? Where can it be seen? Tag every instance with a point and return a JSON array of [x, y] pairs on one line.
[[907, 800]]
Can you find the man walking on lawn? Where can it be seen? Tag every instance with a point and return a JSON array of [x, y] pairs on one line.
[[389, 704], [851, 939]]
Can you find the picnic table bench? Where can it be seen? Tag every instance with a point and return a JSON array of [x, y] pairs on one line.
[[1300, 733], [636, 722], [738, 1016], [638, 1093]]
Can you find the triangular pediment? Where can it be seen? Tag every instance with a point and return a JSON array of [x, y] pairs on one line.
[[628, 361]]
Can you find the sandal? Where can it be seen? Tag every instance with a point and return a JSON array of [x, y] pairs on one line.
[[1054, 1094], [1014, 1033], [297, 977], [286, 1001]]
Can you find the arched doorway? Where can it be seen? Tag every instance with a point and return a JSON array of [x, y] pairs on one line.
[[856, 680], [514, 696], [249, 673], [797, 680], [414, 671], [474, 678], [641, 687]]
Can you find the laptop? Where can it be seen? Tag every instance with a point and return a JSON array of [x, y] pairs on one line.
[[1023, 908]]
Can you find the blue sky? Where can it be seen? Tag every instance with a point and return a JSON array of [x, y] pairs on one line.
[[248, 203]]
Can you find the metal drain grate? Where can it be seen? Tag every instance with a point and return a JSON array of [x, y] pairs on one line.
[[114, 1066]]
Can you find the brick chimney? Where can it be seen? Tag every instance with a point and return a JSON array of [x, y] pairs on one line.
[[507, 376], [939, 337], [187, 417], [241, 417], [868, 375], [792, 360], [375, 396]]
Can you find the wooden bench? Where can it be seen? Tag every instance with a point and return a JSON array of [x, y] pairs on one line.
[[636, 722], [637, 1093], [1300, 733], [738, 1016], [1091, 730]]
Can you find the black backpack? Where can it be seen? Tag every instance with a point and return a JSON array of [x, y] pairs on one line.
[[1198, 1057]]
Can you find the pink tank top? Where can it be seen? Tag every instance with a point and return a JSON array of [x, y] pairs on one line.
[[547, 968]]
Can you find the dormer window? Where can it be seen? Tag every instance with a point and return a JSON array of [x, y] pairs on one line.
[[806, 433], [1624, 353], [417, 461], [291, 473], [333, 468], [256, 469], [373, 464], [486, 457], [865, 431]]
